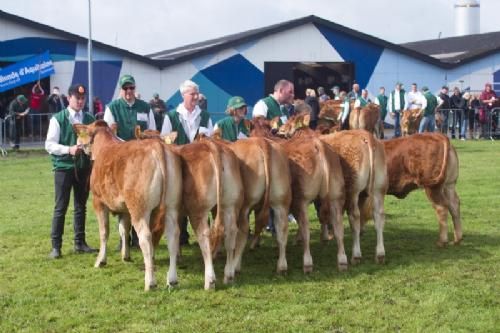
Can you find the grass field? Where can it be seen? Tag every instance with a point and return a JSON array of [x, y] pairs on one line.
[[420, 288]]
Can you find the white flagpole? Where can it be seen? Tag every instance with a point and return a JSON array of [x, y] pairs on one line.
[[89, 59]]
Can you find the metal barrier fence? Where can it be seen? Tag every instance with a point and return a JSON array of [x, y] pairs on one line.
[[32, 128], [470, 124]]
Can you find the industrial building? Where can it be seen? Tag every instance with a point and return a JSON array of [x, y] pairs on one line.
[[308, 51]]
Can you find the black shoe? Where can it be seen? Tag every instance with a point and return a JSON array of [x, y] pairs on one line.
[[55, 254], [82, 247]]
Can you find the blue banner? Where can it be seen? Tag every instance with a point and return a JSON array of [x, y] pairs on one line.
[[29, 70]]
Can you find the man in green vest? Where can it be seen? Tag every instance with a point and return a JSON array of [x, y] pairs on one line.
[[18, 109], [188, 120], [232, 127], [71, 170], [273, 105], [396, 105], [429, 105], [381, 101], [127, 112], [362, 100]]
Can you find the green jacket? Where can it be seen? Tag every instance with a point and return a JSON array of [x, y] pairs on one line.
[[68, 138], [431, 104], [182, 137], [274, 109], [230, 130], [127, 117], [401, 100], [382, 100]]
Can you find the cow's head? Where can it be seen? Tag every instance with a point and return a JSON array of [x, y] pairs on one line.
[[410, 120], [261, 127], [154, 134], [294, 124], [85, 134]]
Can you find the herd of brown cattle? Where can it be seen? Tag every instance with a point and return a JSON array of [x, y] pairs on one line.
[[151, 185]]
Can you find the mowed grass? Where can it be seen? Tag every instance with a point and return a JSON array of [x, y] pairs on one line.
[[420, 288]]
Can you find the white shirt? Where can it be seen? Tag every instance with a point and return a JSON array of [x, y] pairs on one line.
[[260, 109], [190, 122], [52, 145], [414, 100], [108, 117], [397, 102]]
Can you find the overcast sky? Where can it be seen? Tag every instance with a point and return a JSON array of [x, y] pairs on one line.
[[149, 26]]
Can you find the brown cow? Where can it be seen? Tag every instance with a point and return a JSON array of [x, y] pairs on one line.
[[211, 178], [138, 180], [426, 161], [316, 174], [266, 183], [410, 121], [362, 159], [329, 115], [366, 118]]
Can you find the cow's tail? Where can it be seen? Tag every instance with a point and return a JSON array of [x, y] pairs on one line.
[[262, 216], [366, 208], [157, 223], [326, 171], [371, 157], [217, 229], [442, 172]]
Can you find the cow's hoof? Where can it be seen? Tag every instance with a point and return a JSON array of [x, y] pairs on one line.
[[342, 267], [282, 271], [442, 244], [172, 284], [457, 242], [126, 259], [355, 260], [210, 285], [228, 279], [380, 259], [150, 287], [100, 264], [308, 269]]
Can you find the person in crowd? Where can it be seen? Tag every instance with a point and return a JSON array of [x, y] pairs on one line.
[[313, 102], [127, 112], [381, 101], [56, 101], [444, 105], [232, 127], [396, 103], [188, 120], [71, 170], [202, 102], [414, 98], [354, 93], [336, 92], [18, 109], [272, 105], [458, 104], [474, 107], [429, 105], [98, 108], [36, 100], [346, 109], [468, 112], [488, 100], [362, 100], [323, 97], [158, 106]]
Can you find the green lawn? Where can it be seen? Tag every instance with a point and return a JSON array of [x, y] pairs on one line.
[[420, 288]]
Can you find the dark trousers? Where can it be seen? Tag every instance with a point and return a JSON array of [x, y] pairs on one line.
[[64, 181], [16, 127]]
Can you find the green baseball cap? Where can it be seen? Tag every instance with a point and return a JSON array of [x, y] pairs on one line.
[[22, 99], [424, 88], [236, 102], [126, 79]]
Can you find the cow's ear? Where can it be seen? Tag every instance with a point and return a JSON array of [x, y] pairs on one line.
[[170, 138], [275, 122], [137, 132], [306, 120], [80, 129], [114, 129]]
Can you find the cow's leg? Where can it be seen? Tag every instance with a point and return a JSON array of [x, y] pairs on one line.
[[336, 217], [172, 236], [202, 231], [300, 211], [454, 208], [379, 221], [281, 224], [230, 231], [354, 221], [241, 237], [440, 205], [102, 214], [141, 226], [124, 226]]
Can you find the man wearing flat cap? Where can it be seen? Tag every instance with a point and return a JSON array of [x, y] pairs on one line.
[[396, 105], [232, 127], [126, 113], [71, 170], [159, 109], [17, 110]]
